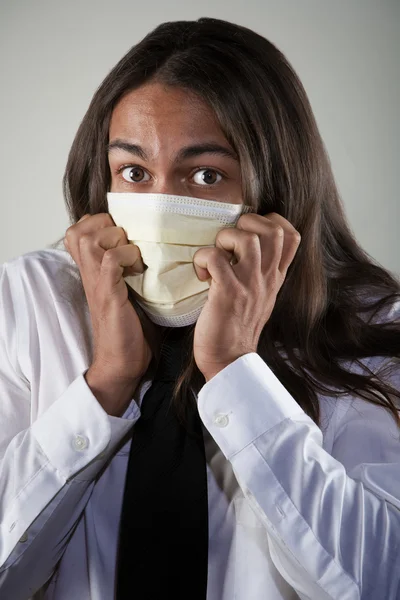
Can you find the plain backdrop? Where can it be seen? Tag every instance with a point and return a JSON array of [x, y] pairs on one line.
[[53, 55]]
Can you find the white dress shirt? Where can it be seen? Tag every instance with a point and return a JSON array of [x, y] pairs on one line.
[[295, 511]]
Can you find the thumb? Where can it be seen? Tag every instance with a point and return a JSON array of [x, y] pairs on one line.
[[200, 264]]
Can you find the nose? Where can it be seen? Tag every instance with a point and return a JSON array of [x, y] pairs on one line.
[[169, 185]]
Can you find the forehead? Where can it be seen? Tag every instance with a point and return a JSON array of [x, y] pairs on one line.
[[156, 110]]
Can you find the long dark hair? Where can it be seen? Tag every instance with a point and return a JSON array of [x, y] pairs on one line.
[[327, 315]]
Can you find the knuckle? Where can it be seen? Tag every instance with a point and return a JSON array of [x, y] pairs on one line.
[[296, 236], [70, 233], [246, 219], [121, 232], [253, 239], [278, 230], [85, 240], [222, 234]]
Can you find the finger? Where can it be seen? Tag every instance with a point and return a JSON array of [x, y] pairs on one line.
[[214, 263], [115, 262], [87, 224], [245, 247], [268, 227], [271, 239], [292, 239], [94, 246]]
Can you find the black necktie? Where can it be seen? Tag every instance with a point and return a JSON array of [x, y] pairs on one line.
[[163, 536]]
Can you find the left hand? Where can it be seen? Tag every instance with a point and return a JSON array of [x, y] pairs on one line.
[[242, 295]]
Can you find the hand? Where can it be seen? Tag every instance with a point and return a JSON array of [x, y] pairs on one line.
[[121, 353], [242, 295]]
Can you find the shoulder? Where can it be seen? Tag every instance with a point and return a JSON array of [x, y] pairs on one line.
[[43, 276], [38, 263], [43, 310], [353, 427], [345, 411], [40, 291]]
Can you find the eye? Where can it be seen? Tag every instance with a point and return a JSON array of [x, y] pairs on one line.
[[206, 177], [135, 174]]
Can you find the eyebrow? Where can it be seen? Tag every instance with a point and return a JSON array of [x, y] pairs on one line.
[[127, 147], [183, 154]]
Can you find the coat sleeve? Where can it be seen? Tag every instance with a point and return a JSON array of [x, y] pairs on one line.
[[47, 467], [333, 520]]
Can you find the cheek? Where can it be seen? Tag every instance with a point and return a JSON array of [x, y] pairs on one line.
[[234, 193]]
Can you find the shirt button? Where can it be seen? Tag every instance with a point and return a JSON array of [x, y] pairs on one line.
[[221, 420], [24, 537], [81, 442]]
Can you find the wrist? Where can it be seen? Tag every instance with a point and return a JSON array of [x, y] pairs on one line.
[[214, 368], [114, 394]]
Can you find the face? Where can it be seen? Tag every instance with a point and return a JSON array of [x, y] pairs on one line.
[[166, 140]]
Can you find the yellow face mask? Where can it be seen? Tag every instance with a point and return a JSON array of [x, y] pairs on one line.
[[169, 230]]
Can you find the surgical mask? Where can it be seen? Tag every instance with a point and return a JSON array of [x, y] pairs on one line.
[[169, 230]]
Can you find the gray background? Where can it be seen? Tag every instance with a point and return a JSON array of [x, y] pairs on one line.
[[54, 54]]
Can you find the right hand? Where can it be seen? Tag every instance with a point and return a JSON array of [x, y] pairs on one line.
[[121, 354]]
